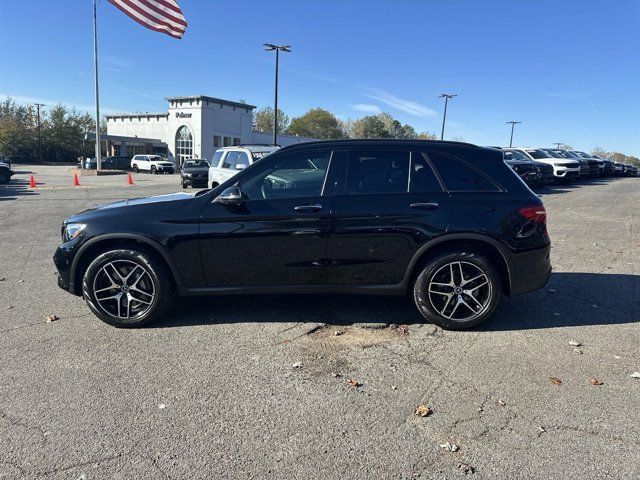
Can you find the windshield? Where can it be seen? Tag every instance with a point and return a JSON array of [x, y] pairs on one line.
[[196, 163], [536, 153]]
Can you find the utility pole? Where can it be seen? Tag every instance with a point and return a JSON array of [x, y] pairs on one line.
[[446, 97], [95, 66], [558, 144], [38, 105], [285, 48], [513, 124]]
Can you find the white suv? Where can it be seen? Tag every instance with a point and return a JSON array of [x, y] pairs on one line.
[[151, 163], [563, 169], [228, 161]]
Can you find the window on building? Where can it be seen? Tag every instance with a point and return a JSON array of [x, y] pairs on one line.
[[184, 144], [236, 141], [217, 141], [371, 172], [228, 141], [459, 176]]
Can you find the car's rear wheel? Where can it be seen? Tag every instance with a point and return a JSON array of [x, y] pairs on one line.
[[127, 288], [457, 290], [184, 184], [154, 170]]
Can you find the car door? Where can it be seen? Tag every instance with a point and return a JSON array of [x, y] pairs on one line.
[[388, 203], [277, 235]]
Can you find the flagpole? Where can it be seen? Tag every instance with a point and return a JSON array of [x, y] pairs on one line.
[[95, 64]]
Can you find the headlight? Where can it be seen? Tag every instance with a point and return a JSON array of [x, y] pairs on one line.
[[188, 175], [72, 230]]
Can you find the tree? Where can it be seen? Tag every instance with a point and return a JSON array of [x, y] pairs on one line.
[[427, 136], [370, 126], [18, 130], [316, 123], [263, 120]]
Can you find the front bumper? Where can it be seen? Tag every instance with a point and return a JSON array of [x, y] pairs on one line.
[[529, 271]]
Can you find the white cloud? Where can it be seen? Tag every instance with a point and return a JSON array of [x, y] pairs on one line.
[[51, 103], [401, 104], [365, 108], [572, 95]]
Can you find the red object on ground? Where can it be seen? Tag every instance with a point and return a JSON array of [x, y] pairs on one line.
[[32, 182], [76, 182], [130, 180]]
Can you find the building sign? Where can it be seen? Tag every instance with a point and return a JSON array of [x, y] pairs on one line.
[[183, 115]]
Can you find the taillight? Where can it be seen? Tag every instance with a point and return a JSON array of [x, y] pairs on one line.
[[537, 214]]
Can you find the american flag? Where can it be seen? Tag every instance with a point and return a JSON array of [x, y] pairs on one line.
[[163, 16]]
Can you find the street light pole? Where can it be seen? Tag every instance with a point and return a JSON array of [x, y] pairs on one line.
[[557, 144], [446, 97], [513, 124], [285, 48], [38, 105]]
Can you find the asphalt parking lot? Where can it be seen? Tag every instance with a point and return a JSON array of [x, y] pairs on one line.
[[294, 386]]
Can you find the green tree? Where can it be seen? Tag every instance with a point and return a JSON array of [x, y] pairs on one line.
[[316, 123], [263, 120], [395, 129], [426, 136], [17, 130], [370, 126]]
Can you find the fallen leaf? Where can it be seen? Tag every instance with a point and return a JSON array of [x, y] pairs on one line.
[[452, 447], [336, 375], [297, 365], [423, 411], [3, 279], [286, 340], [338, 333], [466, 468], [635, 375], [20, 281], [162, 406], [353, 383], [542, 430], [402, 329], [595, 381], [556, 381], [574, 343], [393, 387], [502, 403], [52, 318], [9, 307]]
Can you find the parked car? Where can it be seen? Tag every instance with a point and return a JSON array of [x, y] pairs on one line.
[[526, 169], [108, 163], [151, 163], [608, 165], [5, 173], [558, 153], [618, 169], [563, 170], [194, 172], [448, 222], [228, 161], [6, 160], [629, 170], [592, 158], [594, 164]]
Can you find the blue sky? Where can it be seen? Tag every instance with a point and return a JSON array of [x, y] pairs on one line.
[[570, 70]]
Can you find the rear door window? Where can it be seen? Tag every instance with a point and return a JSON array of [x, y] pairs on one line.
[[377, 171], [215, 161], [422, 179], [459, 176], [230, 160]]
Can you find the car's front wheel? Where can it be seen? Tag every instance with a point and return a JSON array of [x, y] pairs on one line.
[[154, 170], [457, 290], [184, 184], [136, 169], [127, 288]]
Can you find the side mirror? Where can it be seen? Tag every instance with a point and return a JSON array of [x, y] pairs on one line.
[[240, 166], [230, 196]]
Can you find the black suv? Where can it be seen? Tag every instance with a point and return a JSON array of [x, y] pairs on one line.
[[450, 223]]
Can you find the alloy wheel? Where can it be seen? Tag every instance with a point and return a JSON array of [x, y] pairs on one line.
[[460, 291], [124, 289]]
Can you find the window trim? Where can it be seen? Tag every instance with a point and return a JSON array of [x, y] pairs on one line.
[[499, 188]]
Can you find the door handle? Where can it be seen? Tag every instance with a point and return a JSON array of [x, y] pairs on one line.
[[424, 205], [308, 208], [309, 231]]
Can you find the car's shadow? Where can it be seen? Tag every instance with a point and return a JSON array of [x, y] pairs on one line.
[[15, 188], [570, 299]]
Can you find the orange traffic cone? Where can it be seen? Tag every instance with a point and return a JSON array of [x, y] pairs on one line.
[[76, 182], [130, 180], [32, 182]]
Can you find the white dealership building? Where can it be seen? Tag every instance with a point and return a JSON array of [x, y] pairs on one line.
[[193, 127]]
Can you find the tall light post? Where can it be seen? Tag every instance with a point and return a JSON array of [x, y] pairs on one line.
[[558, 145], [38, 105], [513, 124], [446, 97], [285, 48]]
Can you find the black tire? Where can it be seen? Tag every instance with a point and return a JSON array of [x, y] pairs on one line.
[[184, 184], [4, 179], [136, 169], [157, 280], [427, 302], [154, 170]]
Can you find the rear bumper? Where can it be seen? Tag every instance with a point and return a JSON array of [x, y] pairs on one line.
[[529, 271]]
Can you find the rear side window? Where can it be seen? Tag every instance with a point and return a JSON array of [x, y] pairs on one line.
[[216, 158], [371, 172], [230, 160], [422, 179], [458, 176]]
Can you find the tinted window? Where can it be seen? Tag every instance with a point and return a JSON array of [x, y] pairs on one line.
[[537, 154], [422, 179], [230, 160], [215, 161], [458, 176], [371, 171], [242, 159], [292, 177], [515, 155]]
